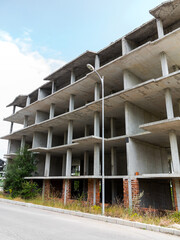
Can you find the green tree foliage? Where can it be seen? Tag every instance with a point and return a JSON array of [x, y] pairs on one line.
[[23, 165], [30, 190]]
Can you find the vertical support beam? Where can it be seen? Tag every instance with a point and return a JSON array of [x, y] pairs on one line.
[[97, 91], [86, 163], [73, 78], [169, 104], [68, 162], [11, 126], [52, 110], [65, 191], [64, 165], [96, 159], [65, 137], [49, 138], [71, 102], [113, 192], [112, 127], [25, 121], [113, 161], [53, 88], [86, 130], [164, 64], [160, 29], [47, 165], [97, 62], [28, 101], [174, 152], [130, 193], [177, 190], [23, 139], [70, 132], [125, 47], [97, 124], [94, 192]]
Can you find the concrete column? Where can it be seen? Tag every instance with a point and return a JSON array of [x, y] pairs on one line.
[[130, 193], [71, 102], [97, 91], [96, 159], [28, 101], [113, 161], [86, 163], [64, 165], [68, 162], [174, 152], [25, 121], [129, 79], [97, 124], [169, 104], [53, 88], [52, 110], [65, 137], [86, 130], [94, 192], [70, 132], [49, 137], [160, 29], [11, 127], [125, 47], [23, 141], [47, 165], [112, 127], [177, 189], [73, 78], [164, 64], [97, 62]]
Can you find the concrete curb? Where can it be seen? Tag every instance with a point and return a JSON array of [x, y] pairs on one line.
[[98, 217]]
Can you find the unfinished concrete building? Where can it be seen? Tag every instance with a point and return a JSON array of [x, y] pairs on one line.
[[62, 120]]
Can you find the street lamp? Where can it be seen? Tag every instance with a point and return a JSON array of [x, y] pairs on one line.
[[92, 69]]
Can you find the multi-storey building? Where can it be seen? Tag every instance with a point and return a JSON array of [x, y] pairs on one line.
[[62, 119]]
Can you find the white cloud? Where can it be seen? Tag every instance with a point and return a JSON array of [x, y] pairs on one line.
[[21, 71]]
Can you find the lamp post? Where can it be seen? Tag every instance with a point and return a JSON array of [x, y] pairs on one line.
[[92, 69]]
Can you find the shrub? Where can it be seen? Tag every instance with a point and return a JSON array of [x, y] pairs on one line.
[[29, 190], [20, 167]]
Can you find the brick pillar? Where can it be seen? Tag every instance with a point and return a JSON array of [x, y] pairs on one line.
[[46, 188], [126, 193], [134, 192], [66, 183], [175, 196], [91, 191]]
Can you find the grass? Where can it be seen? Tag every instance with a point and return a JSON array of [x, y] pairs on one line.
[[165, 218]]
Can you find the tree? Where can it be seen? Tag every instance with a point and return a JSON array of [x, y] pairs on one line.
[[23, 165]]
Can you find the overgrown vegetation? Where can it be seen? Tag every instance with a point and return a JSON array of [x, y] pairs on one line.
[[162, 218], [23, 165]]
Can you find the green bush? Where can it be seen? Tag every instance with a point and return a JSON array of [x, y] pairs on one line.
[[30, 190], [23, 165]]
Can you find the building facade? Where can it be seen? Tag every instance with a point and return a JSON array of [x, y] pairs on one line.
[[62, 120]]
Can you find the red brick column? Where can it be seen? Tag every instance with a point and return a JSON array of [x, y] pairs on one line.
[[46, 188], [174, 195], [134, 190], [68, 189], [126, 193], [91, 191]]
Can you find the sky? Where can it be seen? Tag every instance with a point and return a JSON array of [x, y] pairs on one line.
[[39, 36]]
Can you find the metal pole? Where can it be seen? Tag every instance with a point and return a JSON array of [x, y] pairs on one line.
[[103, 182]]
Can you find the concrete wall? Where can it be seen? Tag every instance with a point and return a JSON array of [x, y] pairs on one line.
[[41, 116], [14, 146], [39, 140], [40, 165], [135, 116], [145, 158]]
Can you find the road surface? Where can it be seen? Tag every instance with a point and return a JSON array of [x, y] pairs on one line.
[[22, 223]]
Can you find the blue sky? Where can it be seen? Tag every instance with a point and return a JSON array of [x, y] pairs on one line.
[[66, 28], [39, 36]]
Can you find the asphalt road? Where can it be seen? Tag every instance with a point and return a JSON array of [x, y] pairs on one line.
[[22, 223]]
